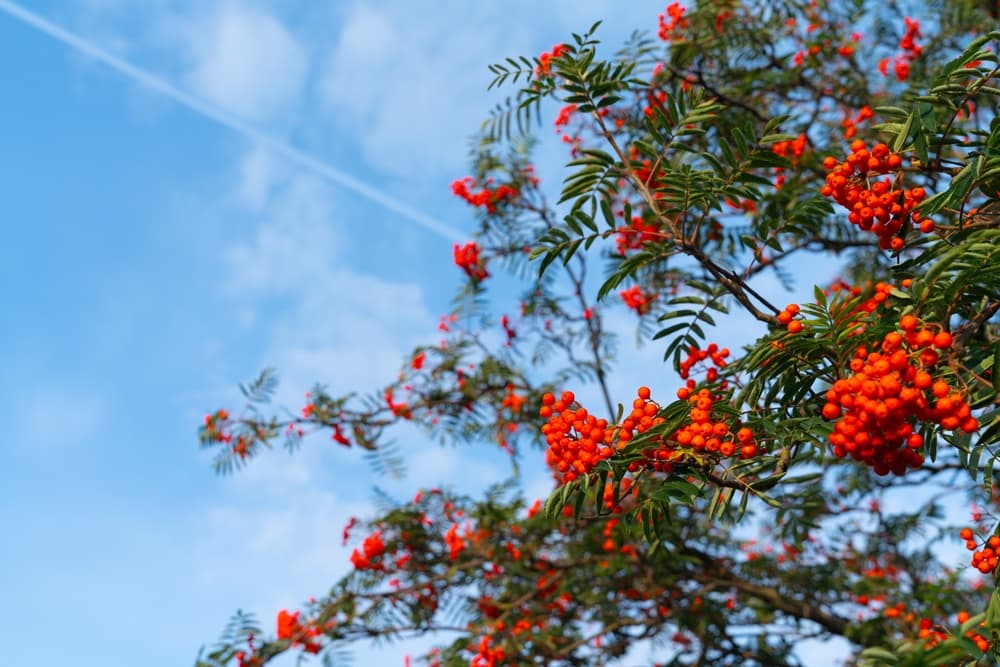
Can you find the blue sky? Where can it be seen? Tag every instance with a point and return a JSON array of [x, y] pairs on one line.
[[152, 258]]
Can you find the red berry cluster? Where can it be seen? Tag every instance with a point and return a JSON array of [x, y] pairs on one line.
[[888, 392], [985, 560], [290, 628], [467, 258], [214, 429], [875, 205], [544, 67], [454, 541], [370, 555], [910, 51], [696, 355], [486, 655], [484, 197], [671, 22], [565, 113], [637, 234], [638, 300], [577, 440], [398, 409]]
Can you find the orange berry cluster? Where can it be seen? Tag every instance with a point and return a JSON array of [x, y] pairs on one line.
[[486, 655], [875, 205], [787, 317], [370, 555], [704, 434], [985, 560], [888, 392], [291, 628], [641, 419], [932, 636], [577, 440]]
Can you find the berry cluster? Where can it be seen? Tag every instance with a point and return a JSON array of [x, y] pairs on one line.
[[290, 628], [696, 355], [875, 205], [484, 197], [214, 428], [672, 22], [544, 67], [792, 150], [638, 300], [486, 655], [467, 258], [577, 440], [787, 318], [454, 541], [564, 115], [910, 51], [370, 555], [637, 234], [891, 389], [850, 124], [641, 419], [985, 560], [705, 434]]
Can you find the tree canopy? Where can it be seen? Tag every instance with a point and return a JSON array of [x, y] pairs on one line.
[[802, 487]]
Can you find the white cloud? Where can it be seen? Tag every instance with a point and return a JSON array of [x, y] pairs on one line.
[[406, 81], [245, 61], [291, 542], [295, 241], [256, 177]]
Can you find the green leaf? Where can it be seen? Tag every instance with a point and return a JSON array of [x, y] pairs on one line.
[[904, 132]]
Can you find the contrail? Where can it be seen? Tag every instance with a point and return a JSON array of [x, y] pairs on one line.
[[161, 86]]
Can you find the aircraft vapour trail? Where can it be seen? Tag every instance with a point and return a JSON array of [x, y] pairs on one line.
[[159, 85]]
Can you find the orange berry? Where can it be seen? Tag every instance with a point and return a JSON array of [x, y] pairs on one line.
[[943, 340]]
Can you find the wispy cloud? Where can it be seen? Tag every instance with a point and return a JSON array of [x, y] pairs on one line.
[[162, 87], [434, 96], [245, 61]]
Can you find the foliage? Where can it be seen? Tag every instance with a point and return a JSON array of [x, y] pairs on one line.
[[740, 137]]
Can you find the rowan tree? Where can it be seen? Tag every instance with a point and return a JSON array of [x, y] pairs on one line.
[[728, 522]]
